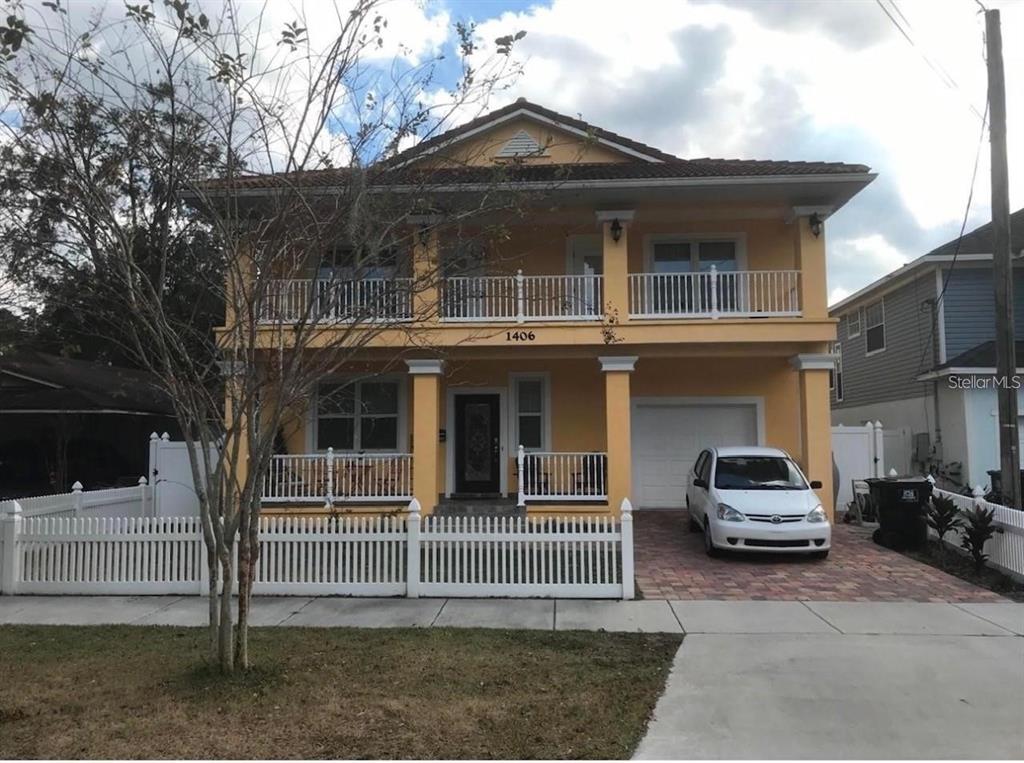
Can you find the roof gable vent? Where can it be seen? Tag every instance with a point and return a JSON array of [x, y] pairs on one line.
[[521, 144]]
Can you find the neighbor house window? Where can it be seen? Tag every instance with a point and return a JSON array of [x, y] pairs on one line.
[[356, 416], [874, 326], [853, 324], [835, 376], [530, 401]]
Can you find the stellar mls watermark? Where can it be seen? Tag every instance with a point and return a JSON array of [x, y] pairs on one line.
[[985, 382]]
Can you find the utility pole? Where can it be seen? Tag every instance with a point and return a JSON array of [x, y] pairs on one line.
[[1002, 267]]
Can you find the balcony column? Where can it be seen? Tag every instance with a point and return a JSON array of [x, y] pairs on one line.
[[426, 389], [615, 222], [809, 252], [617, 424], [426, 268], [816, 422]]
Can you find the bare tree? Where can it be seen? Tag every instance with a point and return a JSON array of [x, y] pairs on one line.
[[176, 164]]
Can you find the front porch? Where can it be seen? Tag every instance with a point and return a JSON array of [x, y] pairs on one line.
[[571, 434]]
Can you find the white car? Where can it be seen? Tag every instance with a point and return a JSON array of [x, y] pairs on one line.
[[756, 499]]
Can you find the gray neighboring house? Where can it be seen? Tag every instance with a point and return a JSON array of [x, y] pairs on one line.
[[914, 361]]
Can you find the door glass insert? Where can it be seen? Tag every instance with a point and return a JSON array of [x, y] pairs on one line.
[[477, 442]]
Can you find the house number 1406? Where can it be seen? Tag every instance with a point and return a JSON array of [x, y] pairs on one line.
[[520, 336]]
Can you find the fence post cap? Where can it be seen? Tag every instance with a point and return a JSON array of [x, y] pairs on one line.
[[893, 472], [165, 437], [877, 424], [77, 487], [154, 436], [414, 507], [626, 508], [143, 481], [978, 491], [13, 510], [930, 479]]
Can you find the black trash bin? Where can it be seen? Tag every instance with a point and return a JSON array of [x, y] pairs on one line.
[[901, 506]]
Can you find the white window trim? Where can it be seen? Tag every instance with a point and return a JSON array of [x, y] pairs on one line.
[[544, 377], [402, 437], [865, 327], [849, 325], [838, 388], [740, 239]]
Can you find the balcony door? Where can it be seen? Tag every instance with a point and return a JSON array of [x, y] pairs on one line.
[[586, 258]]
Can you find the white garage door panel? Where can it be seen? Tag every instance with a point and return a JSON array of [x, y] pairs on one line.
[[667, 439]]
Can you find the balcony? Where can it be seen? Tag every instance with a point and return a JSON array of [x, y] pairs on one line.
[[522, 299], [715, 294], [331, 301], [330, 478]]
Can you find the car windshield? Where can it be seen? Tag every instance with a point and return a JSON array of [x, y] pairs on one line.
[[757, 473]]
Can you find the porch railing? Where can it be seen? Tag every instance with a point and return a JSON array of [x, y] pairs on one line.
[[338, 477], [714, 294], [562, 476], [328, 301], [522, 298]]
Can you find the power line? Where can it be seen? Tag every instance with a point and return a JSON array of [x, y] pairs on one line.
[[937, 68]]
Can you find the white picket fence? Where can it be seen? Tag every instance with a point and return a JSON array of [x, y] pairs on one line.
[[113, 502], [572, 556], [1006, 548]]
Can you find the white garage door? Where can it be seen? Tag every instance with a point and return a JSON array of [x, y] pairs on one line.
[[668, 437]]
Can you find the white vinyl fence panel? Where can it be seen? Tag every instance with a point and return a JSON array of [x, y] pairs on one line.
[[859, 454], [112, 502], [385, 555], [1006, 548]]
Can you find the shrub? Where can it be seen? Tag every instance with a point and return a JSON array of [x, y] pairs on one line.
[[943, 517], [977, 531]]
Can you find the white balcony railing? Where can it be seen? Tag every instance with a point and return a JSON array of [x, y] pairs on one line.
[[714, 294], [338, 477], [327, 301], [522, 298], [562, 476]]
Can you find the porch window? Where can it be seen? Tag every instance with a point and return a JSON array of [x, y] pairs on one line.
[[682, 255], [357, 416], [530, 412], [874, 320]]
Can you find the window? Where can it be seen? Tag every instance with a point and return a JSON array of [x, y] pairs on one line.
[[757, 473], [357, 416], [530, 402], [835, 376], [700, 468], [692, 256], [874, 325], [853, 324]]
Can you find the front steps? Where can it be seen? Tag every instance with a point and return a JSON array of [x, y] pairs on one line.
[[479, 507]]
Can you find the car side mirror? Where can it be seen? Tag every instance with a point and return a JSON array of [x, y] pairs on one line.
[[698, 482], [815, 484]]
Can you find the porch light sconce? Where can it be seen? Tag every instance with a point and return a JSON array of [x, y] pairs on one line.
[[815, 222], [616, 230]]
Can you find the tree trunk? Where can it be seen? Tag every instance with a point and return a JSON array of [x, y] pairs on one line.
[[225, 647], [213, 566], [244, 592]]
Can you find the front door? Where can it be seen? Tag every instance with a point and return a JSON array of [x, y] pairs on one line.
[[477, 444]]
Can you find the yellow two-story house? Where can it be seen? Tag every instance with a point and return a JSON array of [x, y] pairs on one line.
[[650, 307]]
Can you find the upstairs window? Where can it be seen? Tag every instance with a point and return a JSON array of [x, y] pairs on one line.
[[357, 416], [693, 255], [874, 326], [853, 324]]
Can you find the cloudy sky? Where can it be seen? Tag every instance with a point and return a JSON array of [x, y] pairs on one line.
[[782, 79]]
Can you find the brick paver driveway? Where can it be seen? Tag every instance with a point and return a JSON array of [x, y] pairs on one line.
[[671, 564]]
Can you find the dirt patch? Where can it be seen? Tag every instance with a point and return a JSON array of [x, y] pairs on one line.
[[129, 692]]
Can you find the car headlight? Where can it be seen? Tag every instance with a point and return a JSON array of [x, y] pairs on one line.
[[817, 514], [729, 514]]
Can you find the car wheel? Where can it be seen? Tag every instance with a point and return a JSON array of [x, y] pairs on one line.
[[819, 555], [709, 546]]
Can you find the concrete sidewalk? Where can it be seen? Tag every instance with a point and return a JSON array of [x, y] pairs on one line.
[[693, 617]]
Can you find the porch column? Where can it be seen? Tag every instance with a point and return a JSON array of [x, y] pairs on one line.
[[426, 268], [426, 387], [809, 251], [615, 223], [815, 422], [618, 438]]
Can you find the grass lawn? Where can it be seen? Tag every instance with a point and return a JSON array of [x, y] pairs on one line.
[[131, 692]]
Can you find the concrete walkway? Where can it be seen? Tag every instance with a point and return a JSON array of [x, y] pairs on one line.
[[693, 617]]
